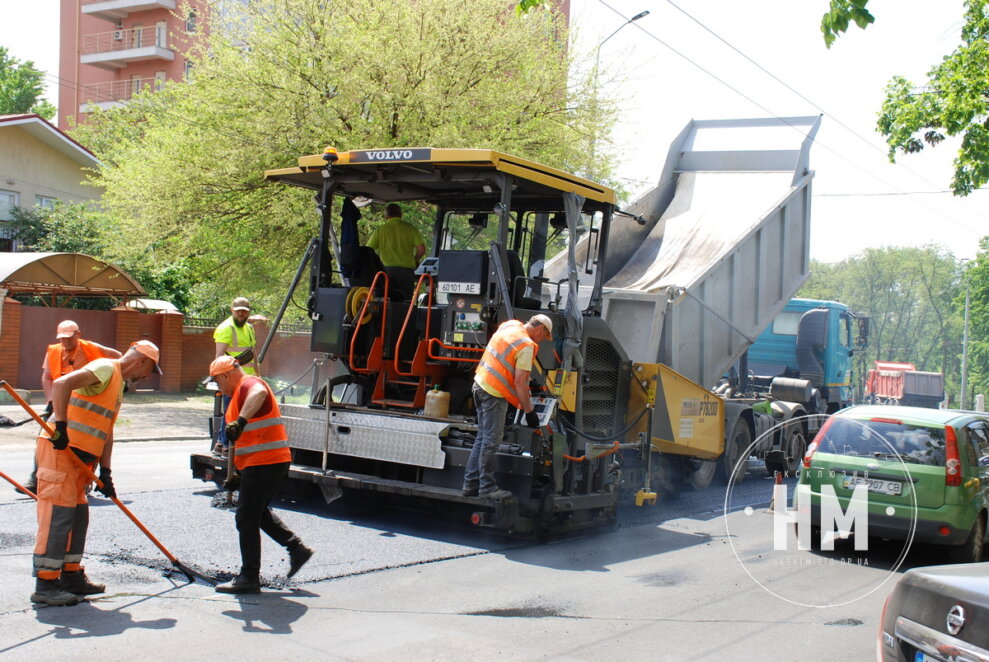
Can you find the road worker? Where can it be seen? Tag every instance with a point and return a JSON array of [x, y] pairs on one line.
[[261, 455], [502, 378], [235, 337], [401, 247], [85, 404], [70, 353]]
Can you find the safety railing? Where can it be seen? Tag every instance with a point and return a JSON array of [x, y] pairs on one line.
[[119, 90], [374, 354], [124, 39], [408, 315]]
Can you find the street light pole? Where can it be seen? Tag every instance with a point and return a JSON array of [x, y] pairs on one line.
[[597, 57], [597, 62], [965, 348]]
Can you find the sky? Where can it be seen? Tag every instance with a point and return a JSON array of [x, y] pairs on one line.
[[694, 60]]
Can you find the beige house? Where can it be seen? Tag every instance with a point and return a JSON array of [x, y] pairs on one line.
[[38, 165]]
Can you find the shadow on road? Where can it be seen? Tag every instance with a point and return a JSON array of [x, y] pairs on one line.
[[270, 612]]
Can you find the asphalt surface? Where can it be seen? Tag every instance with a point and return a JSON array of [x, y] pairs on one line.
[[403, 585]]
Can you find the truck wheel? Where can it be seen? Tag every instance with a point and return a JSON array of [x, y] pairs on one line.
[[701, 473], [971, 550], [793, 449], [731, 469]]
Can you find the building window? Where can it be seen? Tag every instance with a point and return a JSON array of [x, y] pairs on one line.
[[44, 202], [8, 200], [159, 81], [190, 21], [188, 70]]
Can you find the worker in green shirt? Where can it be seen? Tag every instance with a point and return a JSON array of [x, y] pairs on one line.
[[233, 337], [400, 247]]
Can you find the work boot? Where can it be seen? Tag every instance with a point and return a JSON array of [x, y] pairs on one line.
[[469, 490], [496, 494], [297, 557], [47, 592], [240, 585], [78, 583]]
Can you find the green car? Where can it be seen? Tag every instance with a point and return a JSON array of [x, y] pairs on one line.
[[920, 469]]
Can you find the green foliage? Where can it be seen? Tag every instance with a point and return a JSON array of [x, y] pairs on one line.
[[910, 294], [953, 102], [21, 87], [285, 78], [841, 14], [976, 276]]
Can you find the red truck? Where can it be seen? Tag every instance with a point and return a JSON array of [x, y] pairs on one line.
[[891, 383]]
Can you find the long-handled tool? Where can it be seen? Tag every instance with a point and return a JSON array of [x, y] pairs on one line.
[[18, 485], [191, 574]]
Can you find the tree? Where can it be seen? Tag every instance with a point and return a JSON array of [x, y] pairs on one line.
[[954, 101], [841, 14], [183, 167], [21, 87], [911, 296]]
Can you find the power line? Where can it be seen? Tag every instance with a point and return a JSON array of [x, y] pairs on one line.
[[767, 110]]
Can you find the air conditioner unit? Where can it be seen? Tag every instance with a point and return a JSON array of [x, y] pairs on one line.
[[118, 35]]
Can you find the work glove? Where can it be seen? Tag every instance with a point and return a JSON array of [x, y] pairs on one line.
[[107, 490], [532, 419], [234, 429], [47, 413], [232, 483], [60, 440]]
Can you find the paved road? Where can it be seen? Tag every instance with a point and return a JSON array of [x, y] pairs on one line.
[[667, 585]]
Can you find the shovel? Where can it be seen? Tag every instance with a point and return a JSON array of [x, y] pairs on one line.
[[191, 574]]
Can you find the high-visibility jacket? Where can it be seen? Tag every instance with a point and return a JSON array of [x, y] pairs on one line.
[[497, 367], [264, 439], [54, 357], [237, 342], [91, 417]]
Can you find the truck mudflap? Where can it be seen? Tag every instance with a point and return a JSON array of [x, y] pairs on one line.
[[553, 514]]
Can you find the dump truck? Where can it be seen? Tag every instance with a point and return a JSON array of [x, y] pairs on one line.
[[652, 305], [893, 383]]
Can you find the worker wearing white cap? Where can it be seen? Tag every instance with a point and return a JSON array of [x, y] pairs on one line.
[[502, 378], [70, 353], [85, 403]]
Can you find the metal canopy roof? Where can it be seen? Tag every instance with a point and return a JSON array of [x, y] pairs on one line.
[[457, 179], [64, 273]]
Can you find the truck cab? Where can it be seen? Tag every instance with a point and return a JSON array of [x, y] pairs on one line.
[[813, 340]]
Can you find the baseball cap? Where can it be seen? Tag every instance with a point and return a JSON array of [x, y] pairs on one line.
[[545, 321], [240, 303], [222, 364], [150, 350], [66, 329]]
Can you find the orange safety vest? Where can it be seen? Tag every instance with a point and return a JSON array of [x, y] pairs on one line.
[[91, 417], [264, 439], [54, 356], [497, 366]]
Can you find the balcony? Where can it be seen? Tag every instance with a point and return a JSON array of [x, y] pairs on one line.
[[113, 10], [118, 48], [115, 93]]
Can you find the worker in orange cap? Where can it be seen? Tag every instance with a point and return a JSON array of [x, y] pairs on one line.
[[70, 353], [261, 454], [85, 403]]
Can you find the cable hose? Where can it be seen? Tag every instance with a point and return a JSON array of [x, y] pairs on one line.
[[608, 438], [297, 379]]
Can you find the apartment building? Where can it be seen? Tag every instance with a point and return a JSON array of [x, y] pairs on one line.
[[111, 49]]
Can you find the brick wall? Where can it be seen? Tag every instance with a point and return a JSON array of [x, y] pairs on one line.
[[171, 360], [288, 355], [10, 341]]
